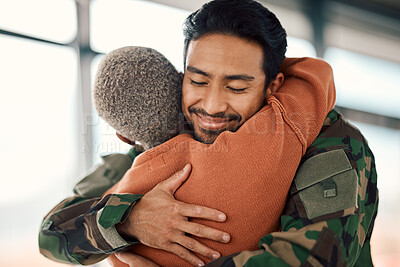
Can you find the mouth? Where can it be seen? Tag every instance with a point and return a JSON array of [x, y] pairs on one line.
[[211, 123]]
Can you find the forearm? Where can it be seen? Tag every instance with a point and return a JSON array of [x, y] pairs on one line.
[[319, 244], [73, 232], [84, 232], [301, 242], [307, 245], [52, 244]]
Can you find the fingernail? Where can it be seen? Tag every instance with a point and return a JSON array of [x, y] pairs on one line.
[[118, 255], [186, 167], [225, 237], [215, 256], [221, 216], [200, 264]]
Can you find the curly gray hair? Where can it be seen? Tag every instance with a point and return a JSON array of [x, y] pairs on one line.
[[137, 91]]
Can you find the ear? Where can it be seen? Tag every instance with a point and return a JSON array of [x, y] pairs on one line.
[[181, 74], [126, 140], [275, 84]]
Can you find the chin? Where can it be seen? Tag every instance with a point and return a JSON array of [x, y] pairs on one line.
[[205, 139], [206, 136]]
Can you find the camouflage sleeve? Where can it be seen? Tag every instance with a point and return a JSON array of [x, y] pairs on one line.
[[330, 213], [81, 229]]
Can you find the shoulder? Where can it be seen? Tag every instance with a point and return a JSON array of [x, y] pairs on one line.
[[337, 175]]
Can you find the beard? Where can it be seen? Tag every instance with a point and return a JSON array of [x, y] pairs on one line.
[[206, 136]]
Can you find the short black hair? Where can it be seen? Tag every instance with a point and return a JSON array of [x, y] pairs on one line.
[[245, 19]]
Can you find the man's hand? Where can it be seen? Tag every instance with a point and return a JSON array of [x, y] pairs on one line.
[[158, 220]]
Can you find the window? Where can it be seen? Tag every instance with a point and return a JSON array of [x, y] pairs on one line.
[[38, 140], [138, 23], [365, 83], [53, 20], [300, 48]]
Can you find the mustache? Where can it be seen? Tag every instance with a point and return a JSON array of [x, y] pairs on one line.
[[221, 115]]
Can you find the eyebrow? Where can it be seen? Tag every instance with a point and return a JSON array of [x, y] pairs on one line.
[[196, 70], [242, 77]]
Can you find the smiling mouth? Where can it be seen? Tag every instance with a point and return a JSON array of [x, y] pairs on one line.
[[213, 124]]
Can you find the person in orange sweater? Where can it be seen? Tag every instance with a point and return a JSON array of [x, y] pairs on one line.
[[128, 74]]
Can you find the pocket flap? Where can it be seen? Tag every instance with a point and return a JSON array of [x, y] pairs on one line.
[[327, 185], [320, 167]]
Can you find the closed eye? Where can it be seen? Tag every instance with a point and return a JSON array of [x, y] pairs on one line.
[[198, 83], [236, 90]]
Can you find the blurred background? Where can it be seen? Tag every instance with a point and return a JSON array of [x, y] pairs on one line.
[[50, 135]]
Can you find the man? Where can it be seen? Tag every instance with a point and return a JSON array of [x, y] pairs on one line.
[[330, 229], [217, 177]]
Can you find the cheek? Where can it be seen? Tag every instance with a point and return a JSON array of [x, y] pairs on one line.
[[250, 105], [184, 96], [189, 96]]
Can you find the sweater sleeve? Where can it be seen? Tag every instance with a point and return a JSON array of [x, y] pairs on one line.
[[306, 97]]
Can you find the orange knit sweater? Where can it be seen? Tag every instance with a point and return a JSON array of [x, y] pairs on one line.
[[245, 174]]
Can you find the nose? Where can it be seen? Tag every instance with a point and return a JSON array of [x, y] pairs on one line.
[[215, 101]]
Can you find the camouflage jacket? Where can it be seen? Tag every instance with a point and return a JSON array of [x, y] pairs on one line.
[[328, 219]]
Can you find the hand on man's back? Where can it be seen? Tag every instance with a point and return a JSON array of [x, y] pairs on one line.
[[160, 221]]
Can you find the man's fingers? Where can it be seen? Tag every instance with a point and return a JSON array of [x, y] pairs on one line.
[[176, 180], [185, 254], [195, 246], [126, 258], [196, 211], [204, 231]]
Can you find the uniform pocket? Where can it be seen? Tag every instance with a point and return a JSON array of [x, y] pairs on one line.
[[327, 185]]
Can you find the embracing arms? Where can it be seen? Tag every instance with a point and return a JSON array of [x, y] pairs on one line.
[[72, 231], [289, 118]]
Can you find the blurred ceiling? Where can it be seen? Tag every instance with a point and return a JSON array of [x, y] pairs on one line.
[[386, 8], [391, 4], [370, 27], [383, 13]]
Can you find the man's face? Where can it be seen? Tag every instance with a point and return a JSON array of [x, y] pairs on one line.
[[223, 84]]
